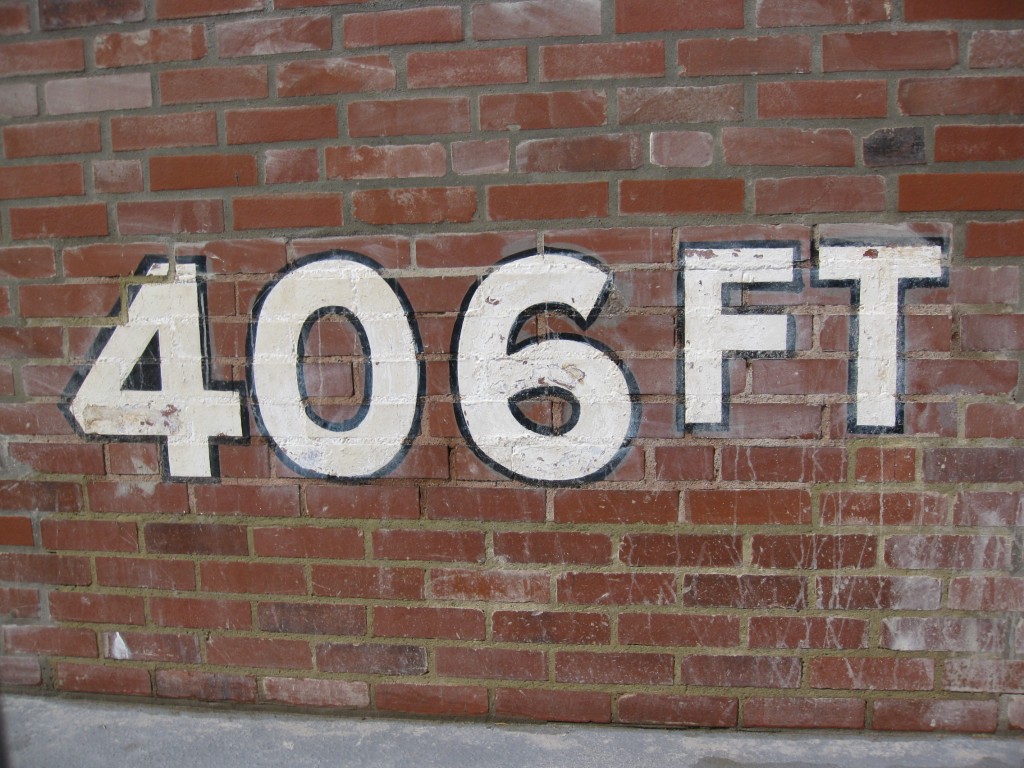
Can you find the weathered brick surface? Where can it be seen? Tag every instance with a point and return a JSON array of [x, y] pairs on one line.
[[787, 567]]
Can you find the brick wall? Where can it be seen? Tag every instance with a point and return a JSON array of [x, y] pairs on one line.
[[794, 565]]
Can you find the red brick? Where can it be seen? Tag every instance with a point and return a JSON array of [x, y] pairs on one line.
[[88, 535], [906, 633], [962, 96], [32, 419], [170, 217], [91, 678], [41, 139], [867, 508], [538, 111], [415, 206], [85, 220], [810, 632], [547, 201], [450, 700], [680, 196], [200, 613], [311, 619], [67, 300], [42, 57], [18, 603], [118, 176], [682, 104], [416, 621], [555, 705], [134, 459], [438, 24], [948, 552], [441, 69], [38, 567], [681, 550], [287, 211], [372, 659], [724, 507], [961, 192], [820, 194], [316, 693], [657, 15], [202, 171], [386, 162], [189, 86], [984, 675], [306, 542], [614, 668], [803, 13], [959, 377], [256, 578], [822, 99], [985, 420], [55, 14], [16, 670], [783, 464], [679, 631], [498, 504], [145, 573], [608, 152], [27, 262], [798, 377], [178, 9], [565, 628], [205, 686], [265, 37], [15, 19], [535, 18], [970, 143], [871, 674], [741, 671], [98, 93], [150, 46], [591, 506], [362, 502], [50, 641], [682, 149], [712, 589], [472, 158], [886, 465], [97, 608], [321, 77], [983, 508], [182, 129], [138, 497], [925, 49], [986, 593], [789, 146], [940, 10], [291, 166], [912, 593], [492, 585], [272, 653], [398, 117], [779, 712], [778, 54], [1000, 238], [679, 462], [815, 551], [588, 61], [491, 663], [617, 588], [257, 126], [448, 546], [18, 100], [930, 715], [996, 49], [17, 531]]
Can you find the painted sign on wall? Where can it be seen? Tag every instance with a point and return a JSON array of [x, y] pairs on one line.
[[150, 377]]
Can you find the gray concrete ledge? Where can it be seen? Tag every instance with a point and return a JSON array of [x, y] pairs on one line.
[[74, 733]]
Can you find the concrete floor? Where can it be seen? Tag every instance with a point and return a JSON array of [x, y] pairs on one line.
[[74, 733]]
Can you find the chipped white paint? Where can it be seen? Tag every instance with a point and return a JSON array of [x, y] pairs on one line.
[[183, 411], [709, 332], [336, 450], [878, 272], [492, 370]]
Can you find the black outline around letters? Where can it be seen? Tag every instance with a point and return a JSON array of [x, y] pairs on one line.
[[368, 383], [209, 383], [512, 346]]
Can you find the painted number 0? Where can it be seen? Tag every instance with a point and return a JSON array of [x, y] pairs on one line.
[[491, 372]]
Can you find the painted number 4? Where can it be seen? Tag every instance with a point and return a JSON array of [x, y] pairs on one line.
[[149, 379]]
